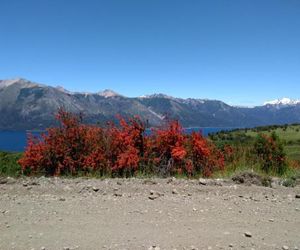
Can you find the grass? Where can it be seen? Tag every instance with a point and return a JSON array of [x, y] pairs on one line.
[[245, 138], [9, 165], [292, 151], [288, 134], [240, 167]]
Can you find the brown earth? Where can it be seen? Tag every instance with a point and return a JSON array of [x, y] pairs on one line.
[[56, 213]]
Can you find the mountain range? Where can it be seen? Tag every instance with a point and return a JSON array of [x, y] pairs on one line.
[[26, 105]]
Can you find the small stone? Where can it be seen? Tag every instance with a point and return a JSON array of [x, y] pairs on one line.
[[119, 183], [9, 180], [271, 220], [43, 248], [3, 180], [150, 182], [66, 248], [285, 248], [153, 197], [297, 196], [34, 183], [171, 180], [248, 234], [95, 189], [154, 248], [62, 199], [67, 188], [174, 191], [230, 245], [202, 181]]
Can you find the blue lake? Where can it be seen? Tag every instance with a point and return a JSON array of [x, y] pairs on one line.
[[16, 140]]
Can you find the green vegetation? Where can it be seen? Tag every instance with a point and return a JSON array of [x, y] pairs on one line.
[[270, 153], [9, 165], [289, 135], [267, 151]]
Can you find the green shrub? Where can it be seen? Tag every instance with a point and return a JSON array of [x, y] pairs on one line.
[[289, 182], [270, 153], [293, 178], [9, 165]]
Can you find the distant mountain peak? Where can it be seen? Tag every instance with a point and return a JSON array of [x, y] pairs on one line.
[[158, 95], [9, 82], [283, 101], [6, 83], [62, 89], [108, 93]]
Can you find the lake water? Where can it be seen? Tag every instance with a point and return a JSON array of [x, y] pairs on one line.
[[16, 140]]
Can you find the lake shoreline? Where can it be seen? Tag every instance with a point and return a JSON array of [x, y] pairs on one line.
[[15, 141]]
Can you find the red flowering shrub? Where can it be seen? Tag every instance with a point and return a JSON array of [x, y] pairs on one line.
[[205, 156], [168, 148], [95, 151], [126, 145], [175, 152], [119, 150], [228, 153], [33, 159], [60, 150], [294, 164]]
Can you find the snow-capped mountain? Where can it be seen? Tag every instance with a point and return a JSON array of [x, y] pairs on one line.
[[22, 81], [108, 93], [283, 101], [159, 95], [105, 93]]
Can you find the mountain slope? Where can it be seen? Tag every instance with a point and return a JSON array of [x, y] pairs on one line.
[[26, 105], [29, 105]]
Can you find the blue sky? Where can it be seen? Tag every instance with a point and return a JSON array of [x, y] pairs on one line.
[[241, 52]]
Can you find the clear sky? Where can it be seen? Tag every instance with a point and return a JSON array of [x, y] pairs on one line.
[[242, 52]]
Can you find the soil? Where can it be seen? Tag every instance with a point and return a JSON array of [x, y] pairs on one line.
[[57, 213]]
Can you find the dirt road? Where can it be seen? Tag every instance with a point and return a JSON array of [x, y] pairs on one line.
[[156, 214]]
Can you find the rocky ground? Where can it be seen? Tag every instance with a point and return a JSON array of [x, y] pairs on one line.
[[57, 213]]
